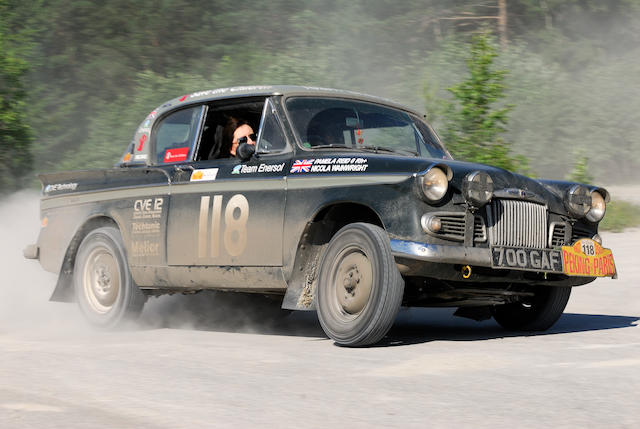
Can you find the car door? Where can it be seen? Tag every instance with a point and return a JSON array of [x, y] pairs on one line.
[[226, 212]]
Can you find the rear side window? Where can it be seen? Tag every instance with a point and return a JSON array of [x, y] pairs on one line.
[[176, 134]]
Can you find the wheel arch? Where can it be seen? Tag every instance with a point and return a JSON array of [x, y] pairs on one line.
[[327, 220], [63, 291]]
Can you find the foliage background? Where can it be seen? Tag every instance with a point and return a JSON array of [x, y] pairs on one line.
[[97, 68]]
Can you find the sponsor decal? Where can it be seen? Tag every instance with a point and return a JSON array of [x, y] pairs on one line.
[[127, 157], [262, 168], [140, 157], [60, 187], [145, 227], [145, 248], [204, 174], [587, 258], [330, 165], [146, 124], [175, 155], [148, 208], [152, 115], [301, 166], [141, 142], [184, 97], [165, 105]]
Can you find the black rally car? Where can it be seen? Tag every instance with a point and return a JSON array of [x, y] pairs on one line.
[[348, 204]]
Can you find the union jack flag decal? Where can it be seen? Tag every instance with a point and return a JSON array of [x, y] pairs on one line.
[[301, 166]]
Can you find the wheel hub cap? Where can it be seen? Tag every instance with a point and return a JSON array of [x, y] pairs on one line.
[[101, 280], [354, 279]]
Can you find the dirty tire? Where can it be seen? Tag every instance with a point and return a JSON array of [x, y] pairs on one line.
[[359, 286], [539, 314], [104, 288]]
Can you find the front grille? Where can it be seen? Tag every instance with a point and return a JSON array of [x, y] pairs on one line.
[[578, 232], [453, 227], [517, 223], [558, 234]]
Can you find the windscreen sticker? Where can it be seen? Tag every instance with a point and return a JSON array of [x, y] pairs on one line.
[[141, 142], [204, 174], [330, 165], [140, 157], [127, 157], [175, 155], [184, 97]]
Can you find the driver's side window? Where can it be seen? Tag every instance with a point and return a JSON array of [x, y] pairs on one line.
[[255, 116]]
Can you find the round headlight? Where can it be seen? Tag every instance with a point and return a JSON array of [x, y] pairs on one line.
[[598, 207], [434, 184], [578, 200], [477, 188]]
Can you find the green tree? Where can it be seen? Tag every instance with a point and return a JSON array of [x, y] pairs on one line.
[[580, 172], [15, 134], [473, 127]]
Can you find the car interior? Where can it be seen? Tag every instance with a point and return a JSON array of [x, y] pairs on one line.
[[212, 141]]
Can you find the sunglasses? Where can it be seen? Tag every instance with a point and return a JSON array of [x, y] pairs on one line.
[[245, 139]]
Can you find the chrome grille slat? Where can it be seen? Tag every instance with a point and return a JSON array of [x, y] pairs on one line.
[[517, 223]]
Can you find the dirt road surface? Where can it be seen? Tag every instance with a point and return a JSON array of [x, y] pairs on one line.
[[177, 370]]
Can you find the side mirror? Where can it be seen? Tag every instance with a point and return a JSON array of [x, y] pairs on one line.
[[244, 151]]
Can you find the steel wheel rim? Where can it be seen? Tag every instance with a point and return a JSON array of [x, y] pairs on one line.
[[351, 283], [101, 280]]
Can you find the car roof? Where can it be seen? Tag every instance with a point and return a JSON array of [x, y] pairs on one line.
[[268, 90]]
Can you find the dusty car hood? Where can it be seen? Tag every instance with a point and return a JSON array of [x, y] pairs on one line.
[[506, 183]]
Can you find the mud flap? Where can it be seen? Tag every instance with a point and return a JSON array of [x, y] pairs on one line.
[[64, 288]]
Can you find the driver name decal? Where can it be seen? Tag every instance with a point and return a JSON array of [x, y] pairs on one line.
[[330, 165]]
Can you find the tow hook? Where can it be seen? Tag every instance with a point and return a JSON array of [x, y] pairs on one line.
[[466, 272]]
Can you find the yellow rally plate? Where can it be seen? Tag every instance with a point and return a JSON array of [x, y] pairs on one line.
[[587, 258]]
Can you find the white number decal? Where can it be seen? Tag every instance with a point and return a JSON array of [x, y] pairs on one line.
[[588, 249], [236, 214]]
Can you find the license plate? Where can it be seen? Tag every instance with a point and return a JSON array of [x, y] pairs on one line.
[[587, 258], [517, 258]]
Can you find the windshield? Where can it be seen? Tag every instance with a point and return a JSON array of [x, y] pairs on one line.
[[356, 125]]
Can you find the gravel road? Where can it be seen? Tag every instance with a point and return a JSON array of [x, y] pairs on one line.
[[175, 370]]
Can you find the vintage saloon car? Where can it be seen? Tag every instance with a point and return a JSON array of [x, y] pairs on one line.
[[348, 204]]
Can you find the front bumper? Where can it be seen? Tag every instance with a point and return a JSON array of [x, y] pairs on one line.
[[441, 253], [445, 262], [32, 251]]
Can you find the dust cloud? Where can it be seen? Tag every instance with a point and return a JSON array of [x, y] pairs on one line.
[[26, 287]]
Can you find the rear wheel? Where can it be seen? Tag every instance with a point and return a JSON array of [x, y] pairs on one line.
[[537, 314], [359, 286], [103, 285]]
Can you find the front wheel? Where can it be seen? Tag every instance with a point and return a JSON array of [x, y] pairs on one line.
[[359, 286], [104, 288], [537, 314]]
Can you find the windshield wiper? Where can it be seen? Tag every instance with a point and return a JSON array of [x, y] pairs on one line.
[[388, 149], [323, 146], [373, 148]]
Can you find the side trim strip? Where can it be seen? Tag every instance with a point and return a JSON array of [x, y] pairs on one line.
[[95, 196], [326, 181]]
